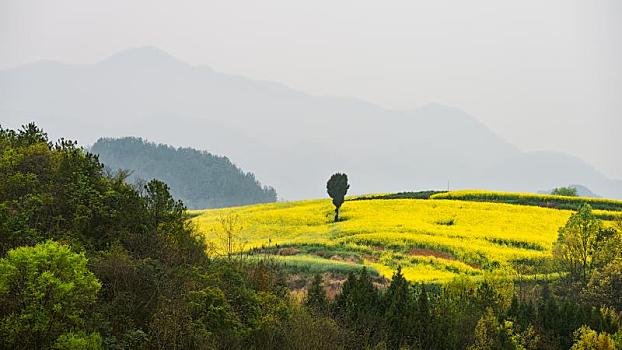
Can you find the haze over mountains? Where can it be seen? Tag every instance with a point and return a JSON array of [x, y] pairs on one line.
[[290, 140]]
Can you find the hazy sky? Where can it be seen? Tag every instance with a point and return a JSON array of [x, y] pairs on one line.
[[544, 74]]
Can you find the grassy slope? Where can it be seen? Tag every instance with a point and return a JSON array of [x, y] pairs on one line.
[[433, 240]]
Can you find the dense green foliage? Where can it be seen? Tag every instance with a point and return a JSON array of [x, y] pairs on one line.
[[44, 291], [88, 262], [565, 191], [199, 179], [588, 339], [462, 314], [337, 187], [316, 296], [577, 243], [157, 287]]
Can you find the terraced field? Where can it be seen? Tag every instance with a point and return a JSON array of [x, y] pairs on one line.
[[434, 240]]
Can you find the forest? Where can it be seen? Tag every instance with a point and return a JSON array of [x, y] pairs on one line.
[[200, 179], [89, 260]]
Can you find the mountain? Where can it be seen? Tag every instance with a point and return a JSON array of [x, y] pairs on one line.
[[289, 139], [199, 179]]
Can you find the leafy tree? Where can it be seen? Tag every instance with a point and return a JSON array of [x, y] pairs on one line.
[[576, 243], [45, 290], [456, 313], [230, 235], [269, 332], [513, 338], [78, 341], [58, 191], [608, 247], [565, 191], [213, 316], [605, 285], [309, 331], [337, 187], [487, 333], [588, 339], [127, 299]]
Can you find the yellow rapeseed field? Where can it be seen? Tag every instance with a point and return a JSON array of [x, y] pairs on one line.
[[433, 240]]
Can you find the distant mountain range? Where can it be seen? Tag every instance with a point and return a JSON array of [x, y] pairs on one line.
[[199, 179], [291, 140]]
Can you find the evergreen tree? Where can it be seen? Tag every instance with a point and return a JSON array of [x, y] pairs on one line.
[[161, 206], [357, 307], [316, 296], [424, 331], [398, 316]]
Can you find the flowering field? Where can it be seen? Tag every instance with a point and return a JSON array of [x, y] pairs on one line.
[[433, 240]]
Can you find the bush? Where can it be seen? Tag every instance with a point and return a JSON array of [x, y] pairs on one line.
[[588, 339], [44, 290], [78, 341]]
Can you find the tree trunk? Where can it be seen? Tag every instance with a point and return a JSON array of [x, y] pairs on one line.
[[336, 214]]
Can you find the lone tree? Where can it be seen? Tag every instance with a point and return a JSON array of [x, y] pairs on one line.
[[565, 191], [577, 242], [230, 235], [337, 187]]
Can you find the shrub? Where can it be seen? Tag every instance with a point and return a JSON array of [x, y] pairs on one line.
[[44, 290]]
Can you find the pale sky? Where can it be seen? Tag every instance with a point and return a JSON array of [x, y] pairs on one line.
[[543, 74]]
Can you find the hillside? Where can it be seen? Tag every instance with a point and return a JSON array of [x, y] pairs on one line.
[[199, 179], [433, 240], [288, 138]]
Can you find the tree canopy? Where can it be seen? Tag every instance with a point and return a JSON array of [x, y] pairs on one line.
[[45, 290], [576, 243], [199, 179], [337, 187], [565, 191]]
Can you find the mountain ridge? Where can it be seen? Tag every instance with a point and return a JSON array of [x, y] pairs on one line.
[[290, 139]]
